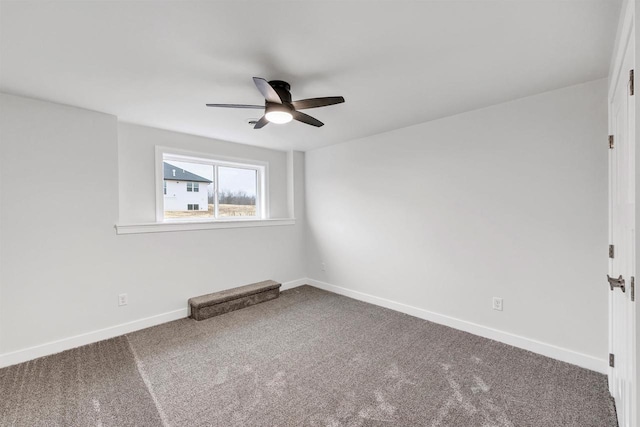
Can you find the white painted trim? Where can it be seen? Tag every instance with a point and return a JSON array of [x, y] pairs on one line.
[[545, 349], [159, 183], [191, 225], [626, 45], [626, 24], [19, 356], [293, 284], [625, 35], [261, 168], [54, 347], [549, 350]]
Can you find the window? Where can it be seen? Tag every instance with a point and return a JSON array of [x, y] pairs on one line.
[[234, 190], [237, 191]]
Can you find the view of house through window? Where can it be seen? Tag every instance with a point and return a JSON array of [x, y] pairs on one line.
[[204, 188]]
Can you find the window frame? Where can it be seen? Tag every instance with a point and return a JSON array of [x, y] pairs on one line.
[[262, 188]]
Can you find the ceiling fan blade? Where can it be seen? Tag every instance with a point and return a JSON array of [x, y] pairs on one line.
[[304, 118], [317, 102], [235, 106], [261, 123], [267, 90]]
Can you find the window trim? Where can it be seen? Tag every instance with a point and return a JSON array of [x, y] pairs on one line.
[[167, 227], [262, 168]]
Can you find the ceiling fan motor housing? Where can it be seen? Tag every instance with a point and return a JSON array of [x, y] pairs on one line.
[[283, 89]]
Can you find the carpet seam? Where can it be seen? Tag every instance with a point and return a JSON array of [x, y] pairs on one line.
[[147, 383]]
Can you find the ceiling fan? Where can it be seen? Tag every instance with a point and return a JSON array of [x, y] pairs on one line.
[[278, 106]]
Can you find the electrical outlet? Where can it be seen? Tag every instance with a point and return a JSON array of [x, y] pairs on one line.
[[323, 266], [497, 303], [123, 299]]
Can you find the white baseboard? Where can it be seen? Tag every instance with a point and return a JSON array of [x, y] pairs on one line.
[[549, 350], [293, 284], [19, 356], [57, 346]]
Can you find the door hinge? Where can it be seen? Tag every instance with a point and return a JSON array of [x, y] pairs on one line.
[[631, 88], [611, 141], [612, 360], [612, 251], [633, 288]]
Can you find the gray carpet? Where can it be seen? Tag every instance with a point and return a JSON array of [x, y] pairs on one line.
[[94, 385], [308, 358]]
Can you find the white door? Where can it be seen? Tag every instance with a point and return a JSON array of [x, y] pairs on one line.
[[622, 235]]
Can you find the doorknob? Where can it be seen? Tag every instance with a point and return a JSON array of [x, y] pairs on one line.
[[616, 283]]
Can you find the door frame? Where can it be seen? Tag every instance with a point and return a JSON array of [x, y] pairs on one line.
[[627, 34]]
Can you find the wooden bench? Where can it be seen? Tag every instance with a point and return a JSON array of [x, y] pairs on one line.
[[206, 306]]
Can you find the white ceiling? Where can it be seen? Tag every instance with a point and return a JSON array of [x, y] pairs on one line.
[[397, 63]]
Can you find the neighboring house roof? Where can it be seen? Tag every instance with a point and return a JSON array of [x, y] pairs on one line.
[[181, 174]]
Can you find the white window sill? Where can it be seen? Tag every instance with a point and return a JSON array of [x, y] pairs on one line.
[[169, 226]]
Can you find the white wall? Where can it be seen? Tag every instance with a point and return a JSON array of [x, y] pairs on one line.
[[57, 257], [62, 264], [507, 201]]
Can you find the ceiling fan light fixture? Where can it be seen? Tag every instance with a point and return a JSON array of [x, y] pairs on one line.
[[279, 108], [279, 117], [278, 113]]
